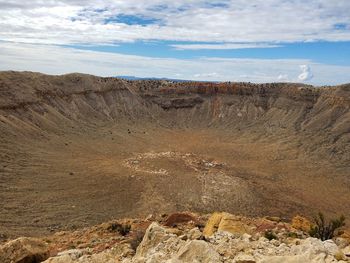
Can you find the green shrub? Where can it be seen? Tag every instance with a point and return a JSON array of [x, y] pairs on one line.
[[124, 229], [293, 235], [326, 230], [121, 229], [270, 235]]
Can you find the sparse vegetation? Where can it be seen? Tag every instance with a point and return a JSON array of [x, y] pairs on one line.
[[326, 230], [121, 229], [124, 229], [293, 235], [200, 225], [270, 235]]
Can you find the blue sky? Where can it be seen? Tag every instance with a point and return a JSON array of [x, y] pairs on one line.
[[337, 53], [228, 40]]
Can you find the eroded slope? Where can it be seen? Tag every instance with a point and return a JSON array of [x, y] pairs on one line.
[[78, 149]]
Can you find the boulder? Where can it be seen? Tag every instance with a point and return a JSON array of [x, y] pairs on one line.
[[155, 234], [346, 251], [108, 256], [61, 259], [76, 256], [24, 250], [340, 256], [73, 253], [342, 242], [213, 224], [197, 251], [194, 233], [309, 250], [157, 245], [67, 256], [246, 237], [331, 247], [314, 246], [286, 259], [301, 223], [227, 223], [244, 258]]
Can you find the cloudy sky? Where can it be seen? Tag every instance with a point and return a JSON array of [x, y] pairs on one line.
[[228, 40]]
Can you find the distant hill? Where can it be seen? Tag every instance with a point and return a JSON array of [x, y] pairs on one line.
[[153, 78]]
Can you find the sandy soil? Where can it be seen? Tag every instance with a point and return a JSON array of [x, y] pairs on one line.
[[73, 181]]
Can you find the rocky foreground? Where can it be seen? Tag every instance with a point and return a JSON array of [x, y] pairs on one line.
[[183, 237]]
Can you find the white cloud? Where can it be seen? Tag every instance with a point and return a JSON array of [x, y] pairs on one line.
[[231, 24], [306, 73], [235, 21], [206, 75], [283, 78], [59, 60], [222, 46]]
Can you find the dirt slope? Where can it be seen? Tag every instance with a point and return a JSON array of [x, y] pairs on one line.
[[78, 150]]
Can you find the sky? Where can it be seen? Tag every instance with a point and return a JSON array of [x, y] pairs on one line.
[[228, 40]]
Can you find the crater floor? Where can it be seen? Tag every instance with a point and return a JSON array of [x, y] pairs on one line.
[[75, 160], [71, 181]]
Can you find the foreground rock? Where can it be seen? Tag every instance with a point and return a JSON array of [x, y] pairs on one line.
[[157, 245], [160, 245], [197, 251], [108, 256], [222, 239], [225, 222], [24, 250]]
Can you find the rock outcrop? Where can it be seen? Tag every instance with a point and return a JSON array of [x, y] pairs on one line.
[[275, 108], [182, 243], [227, 223], [24, 250], [157, 245]]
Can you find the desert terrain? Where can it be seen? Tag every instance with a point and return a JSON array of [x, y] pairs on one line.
[[78, 150]]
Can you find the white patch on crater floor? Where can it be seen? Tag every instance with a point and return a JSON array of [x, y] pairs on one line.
[[190, 160]]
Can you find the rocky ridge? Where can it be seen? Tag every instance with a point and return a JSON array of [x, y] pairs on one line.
[[320, 115], [183, 237]]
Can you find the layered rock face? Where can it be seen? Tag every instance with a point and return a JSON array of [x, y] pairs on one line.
[[320, 115], [324, 108], [78, 149]]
